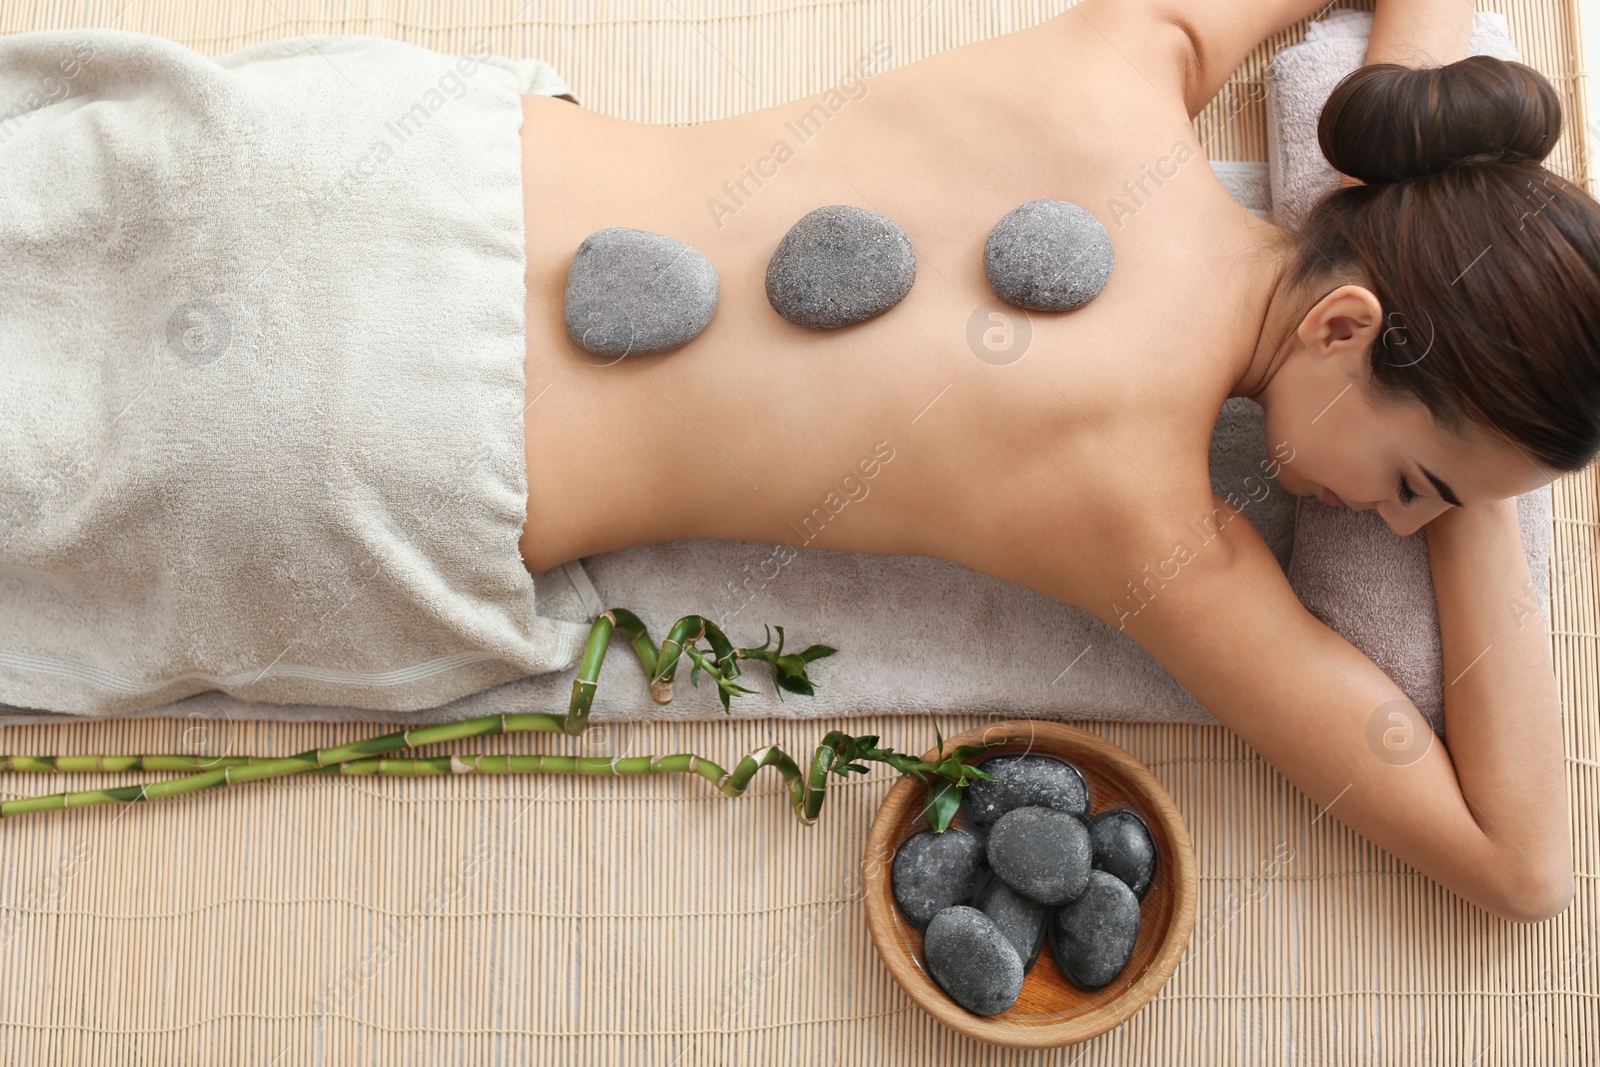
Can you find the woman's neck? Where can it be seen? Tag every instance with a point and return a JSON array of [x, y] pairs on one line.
[[1280, 317]]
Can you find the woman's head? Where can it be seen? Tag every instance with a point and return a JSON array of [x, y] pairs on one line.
[[1454, 298]]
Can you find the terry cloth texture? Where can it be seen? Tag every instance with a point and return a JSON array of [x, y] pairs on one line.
[[261, 428], [1348, 568]]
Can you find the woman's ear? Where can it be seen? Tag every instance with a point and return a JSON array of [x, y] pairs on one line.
[[1344, 322]]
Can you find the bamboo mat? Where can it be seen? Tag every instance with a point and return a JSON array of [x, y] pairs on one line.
[[556, 921]]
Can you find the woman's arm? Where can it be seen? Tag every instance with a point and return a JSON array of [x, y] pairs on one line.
[[1486, 816], [1222, 33], [1502, 710], [1420, 33]]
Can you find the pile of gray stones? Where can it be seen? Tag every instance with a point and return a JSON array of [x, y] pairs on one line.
[[1033, 867], [632, 291]]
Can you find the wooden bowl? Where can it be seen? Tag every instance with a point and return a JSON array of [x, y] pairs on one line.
[[1051, 1011]]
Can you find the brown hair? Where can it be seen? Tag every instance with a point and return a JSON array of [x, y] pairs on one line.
[[1486, 264]]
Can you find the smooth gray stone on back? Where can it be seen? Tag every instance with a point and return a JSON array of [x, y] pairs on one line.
[[1048, 255], [631, 291], [840, 265], [1024, 781], [1020, 919], [1123, 846], [972, 960], [933, 871], [1043, 854], [1093, 937]]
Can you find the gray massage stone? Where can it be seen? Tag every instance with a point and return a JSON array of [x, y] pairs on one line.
[[1023, 921], [1093, 937], [631, 291], [1048, 255], [933, 871], [1043, 854], [1124, 846], [840, 265], [972, 960], [1024, 781]]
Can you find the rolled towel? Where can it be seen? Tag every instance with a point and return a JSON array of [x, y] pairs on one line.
[[1348, 567]]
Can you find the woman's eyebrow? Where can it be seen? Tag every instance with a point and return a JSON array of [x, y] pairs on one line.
[[1444, 490]]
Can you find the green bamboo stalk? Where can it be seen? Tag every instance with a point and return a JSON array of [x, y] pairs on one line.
[[839, 753], [789, 672], [255, 770], [92, 764], [680, 641], [806, 792]]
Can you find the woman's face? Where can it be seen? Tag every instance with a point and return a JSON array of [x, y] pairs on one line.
[[1352, 449]]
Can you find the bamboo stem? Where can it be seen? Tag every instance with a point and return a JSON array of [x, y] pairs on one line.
[[93, 764], [838, 753], [256, 769], [806, 791]]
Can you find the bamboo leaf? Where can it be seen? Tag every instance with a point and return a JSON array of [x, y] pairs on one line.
[[768, 631], [966, 752], [793, 684], [941, 806]]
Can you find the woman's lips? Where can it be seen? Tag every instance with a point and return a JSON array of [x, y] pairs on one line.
[[1331, 499]]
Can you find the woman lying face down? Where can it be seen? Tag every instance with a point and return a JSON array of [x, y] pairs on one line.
[[1447, 354], [1424, 346]]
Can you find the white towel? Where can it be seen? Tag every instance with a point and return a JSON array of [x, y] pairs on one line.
[[261, 424], [915, 634]]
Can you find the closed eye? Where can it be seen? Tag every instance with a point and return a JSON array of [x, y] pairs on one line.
[[1406, 495]]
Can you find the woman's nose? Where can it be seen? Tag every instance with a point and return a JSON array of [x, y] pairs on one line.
[[1407, 521]]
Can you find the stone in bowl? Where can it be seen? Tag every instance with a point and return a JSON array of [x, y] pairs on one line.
[[1042, 853], [1093, 937], [1123, 846], [1021, 920], [932, 871], [1023, 781], [972, 960]]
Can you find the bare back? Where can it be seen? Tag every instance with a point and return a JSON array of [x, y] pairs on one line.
[[910, 433]]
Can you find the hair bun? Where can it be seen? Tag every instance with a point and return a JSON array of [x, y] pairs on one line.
[[1388, 123]]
